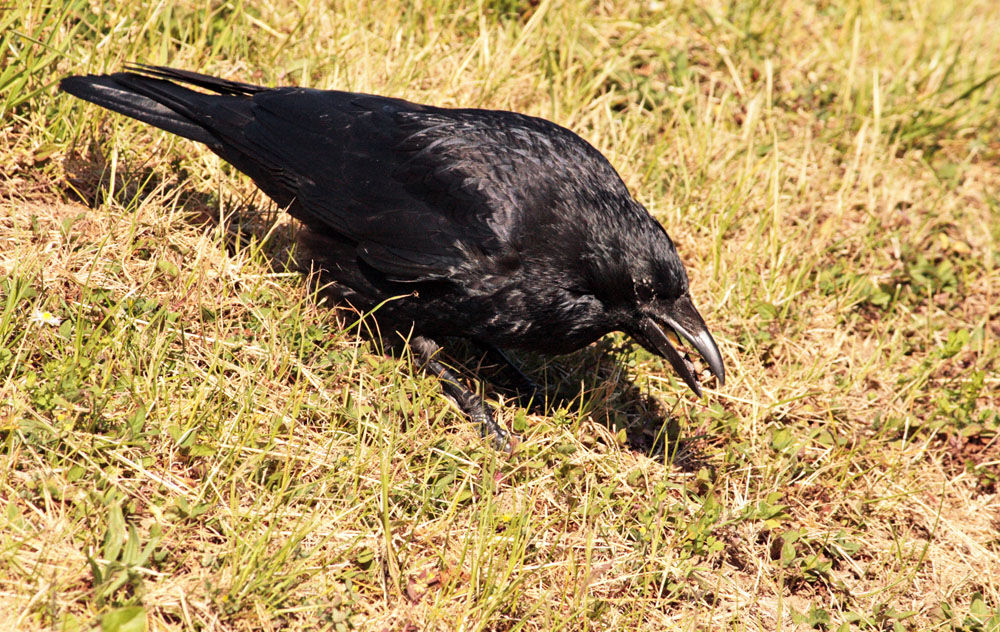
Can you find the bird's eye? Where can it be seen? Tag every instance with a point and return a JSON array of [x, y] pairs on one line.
[[644, 292]]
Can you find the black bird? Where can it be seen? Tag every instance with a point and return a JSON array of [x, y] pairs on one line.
[[493, 226]]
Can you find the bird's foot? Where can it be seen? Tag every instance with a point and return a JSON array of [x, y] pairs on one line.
[[479, 412], [468, 401]]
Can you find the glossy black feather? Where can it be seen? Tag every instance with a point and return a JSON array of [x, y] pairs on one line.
[[490, 225]]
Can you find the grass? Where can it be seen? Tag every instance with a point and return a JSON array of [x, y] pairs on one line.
[[200, 444]]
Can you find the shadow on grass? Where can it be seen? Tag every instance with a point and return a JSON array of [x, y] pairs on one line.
[[594, 382], [590, 382], [93, 180]]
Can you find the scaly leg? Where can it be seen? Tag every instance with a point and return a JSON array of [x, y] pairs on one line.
[[468, 401]]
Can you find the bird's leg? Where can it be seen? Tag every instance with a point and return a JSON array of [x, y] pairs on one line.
[[468, 401], [525, 387]]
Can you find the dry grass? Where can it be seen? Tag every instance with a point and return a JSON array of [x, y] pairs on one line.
[[201, 439]]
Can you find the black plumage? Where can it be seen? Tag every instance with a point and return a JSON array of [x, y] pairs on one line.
[[501, 228]]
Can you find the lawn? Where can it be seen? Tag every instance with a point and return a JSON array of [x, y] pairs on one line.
[[191, 439]]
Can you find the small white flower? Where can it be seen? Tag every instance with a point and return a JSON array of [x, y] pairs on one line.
[[45, 318]]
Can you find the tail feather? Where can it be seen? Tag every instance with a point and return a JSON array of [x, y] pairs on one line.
[[114, 93], [220, 120], [147, 93]]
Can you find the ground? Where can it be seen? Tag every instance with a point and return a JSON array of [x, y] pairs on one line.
[[192, 439]]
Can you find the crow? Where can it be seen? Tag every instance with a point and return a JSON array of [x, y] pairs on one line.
[[492, 226]]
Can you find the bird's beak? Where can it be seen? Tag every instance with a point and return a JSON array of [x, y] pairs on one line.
[[686, 322]]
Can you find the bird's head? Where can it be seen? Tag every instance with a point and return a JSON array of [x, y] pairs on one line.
[[661, 307], [632, 267]]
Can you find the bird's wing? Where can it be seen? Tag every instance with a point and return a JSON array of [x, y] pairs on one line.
[[423, 191], [339, 156]]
